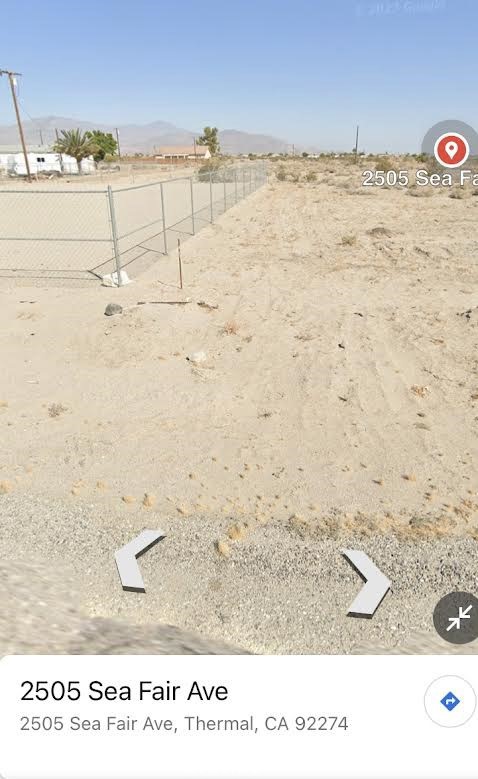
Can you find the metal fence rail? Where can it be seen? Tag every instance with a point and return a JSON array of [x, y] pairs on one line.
[[85, 234]]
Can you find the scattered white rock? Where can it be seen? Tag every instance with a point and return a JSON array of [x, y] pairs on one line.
[[197, 357], [111, 279]]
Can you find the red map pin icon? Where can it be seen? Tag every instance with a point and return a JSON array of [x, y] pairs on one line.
[[452, 150]]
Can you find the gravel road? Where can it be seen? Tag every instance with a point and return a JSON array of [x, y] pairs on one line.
[[279, 591]]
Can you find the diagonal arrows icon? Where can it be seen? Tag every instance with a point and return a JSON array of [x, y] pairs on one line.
[[126, 559], [375, 588], [455, 622]]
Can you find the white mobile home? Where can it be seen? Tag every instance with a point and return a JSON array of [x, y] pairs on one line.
[[40, 158]]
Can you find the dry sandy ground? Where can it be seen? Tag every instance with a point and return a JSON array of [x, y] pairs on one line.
[[337, 404]]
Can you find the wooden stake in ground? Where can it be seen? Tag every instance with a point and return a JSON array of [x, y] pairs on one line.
[[180, 265]]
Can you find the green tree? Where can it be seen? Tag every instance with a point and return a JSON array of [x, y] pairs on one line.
[[105, 142], [76, 144], [210, 139]]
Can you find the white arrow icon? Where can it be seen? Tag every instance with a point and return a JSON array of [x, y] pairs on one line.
[[376, 584], [455, 622], [126, 557], [451, 148]]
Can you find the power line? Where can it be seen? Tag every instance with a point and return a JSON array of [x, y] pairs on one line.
[[32, 120]]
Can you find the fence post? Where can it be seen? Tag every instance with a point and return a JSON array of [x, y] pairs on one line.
[[165, 242], [114, 233], [192, 204], [225, 195], [235, 184], [210, 197]]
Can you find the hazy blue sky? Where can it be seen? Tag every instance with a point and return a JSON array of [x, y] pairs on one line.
[[304, 70]]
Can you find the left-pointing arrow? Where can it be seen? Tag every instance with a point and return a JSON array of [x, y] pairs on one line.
[[375, 588], [126, 558]]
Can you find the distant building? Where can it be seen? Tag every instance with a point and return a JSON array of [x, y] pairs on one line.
[[40, 158], [183, 153]]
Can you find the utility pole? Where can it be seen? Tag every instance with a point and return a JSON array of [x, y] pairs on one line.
[[11, 77], [41, 137], [117, 142], [356, 143]]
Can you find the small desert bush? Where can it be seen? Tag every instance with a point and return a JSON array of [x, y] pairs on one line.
[[311, 176], [415, 191], [281, 174], [56, 409], [384, 163], [431, 165], [230, 328], [295, 177], [348, 240]]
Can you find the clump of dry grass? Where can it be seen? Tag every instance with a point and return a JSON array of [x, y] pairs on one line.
[[223, 548], [237, 532], [419, 391], [345, 526], [230, 327], [56, 409], [423, 191], [311, 176], [384, 163], [348, 240], [148, 500]]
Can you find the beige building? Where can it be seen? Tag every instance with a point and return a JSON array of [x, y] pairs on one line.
[[183, 153]]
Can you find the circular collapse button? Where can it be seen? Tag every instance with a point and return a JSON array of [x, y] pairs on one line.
[[456, 618], [450, 701]]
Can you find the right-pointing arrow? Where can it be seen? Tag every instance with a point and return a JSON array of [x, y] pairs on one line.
[[125, 557], [375, 588]]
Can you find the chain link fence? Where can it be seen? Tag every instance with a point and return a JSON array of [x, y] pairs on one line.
[[82, 235]]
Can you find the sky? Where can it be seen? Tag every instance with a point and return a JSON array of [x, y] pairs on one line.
[[306, 71]]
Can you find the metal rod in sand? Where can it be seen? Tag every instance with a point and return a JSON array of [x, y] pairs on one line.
[[180, 265]]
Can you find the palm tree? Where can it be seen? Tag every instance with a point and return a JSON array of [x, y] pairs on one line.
[[77, 145]]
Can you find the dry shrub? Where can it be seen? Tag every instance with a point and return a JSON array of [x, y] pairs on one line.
[[423, 191], [56, 409], [223, 549], [230, 328], [385, 164], [349, 240]]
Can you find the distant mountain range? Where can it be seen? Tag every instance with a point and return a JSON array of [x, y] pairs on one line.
[[142, 138]]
